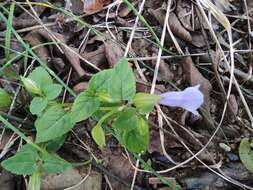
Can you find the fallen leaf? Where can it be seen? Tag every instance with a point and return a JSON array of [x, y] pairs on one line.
[[93, 6], [165, 73], [198, 39], [183, 11], [96, 57], [119, 166], [113, 52], [175, 25], [73, 59], [123, 10], [80, 87], [33, 38], [76, 6], [5, 139]]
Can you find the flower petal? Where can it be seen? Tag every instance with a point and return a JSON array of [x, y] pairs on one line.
[[190, 99]]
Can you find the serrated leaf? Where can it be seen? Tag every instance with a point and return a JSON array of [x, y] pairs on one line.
[[99, 85], [122, 85], [37, 105], [100, 81], [98, 135], [31, 86], [132, 130], [52, 91], [5, 99], [84, 106], [145, 102], [52, 124], [114, 85], [246, 154], [23, 162], [41, 77], [54, 164], [138, 140]]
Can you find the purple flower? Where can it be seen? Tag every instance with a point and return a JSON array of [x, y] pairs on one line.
[[190, 99]]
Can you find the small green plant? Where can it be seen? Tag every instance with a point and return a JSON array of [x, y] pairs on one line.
[[110, 99], [5, 99], [246, 153]]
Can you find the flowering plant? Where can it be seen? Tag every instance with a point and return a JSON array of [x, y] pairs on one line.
[[110, 99]]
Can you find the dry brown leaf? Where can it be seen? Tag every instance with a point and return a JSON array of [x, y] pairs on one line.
[[123, 10], [80, 87], [93, 6], [184, 13], [164, 71], [73, 59], [113, 52], [198, 39], [155, 181], [175, 25], [119, 166], [76, 6], [5, 139], [96, 57], [34, 39]]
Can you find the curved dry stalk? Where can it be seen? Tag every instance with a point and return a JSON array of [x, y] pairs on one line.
[[221, 18], [37, 18], [80, 182], [134, 29], [160, 123]]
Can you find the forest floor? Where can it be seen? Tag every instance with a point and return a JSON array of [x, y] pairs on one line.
[[170, 45]]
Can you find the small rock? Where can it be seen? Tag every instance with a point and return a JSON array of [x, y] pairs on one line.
[[70, 178]]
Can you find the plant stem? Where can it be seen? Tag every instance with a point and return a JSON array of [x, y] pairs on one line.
[[22, 135]]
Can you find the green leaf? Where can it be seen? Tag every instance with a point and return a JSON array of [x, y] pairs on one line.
[[84, 106], [137, 140], [145, 102], [5, 99], [31, 86], [98, 135], [37, 105], [54, 145], [100, 81], [52, 124], [132, 130], [54, 164], [23, 162], [246, 154], [114, 85], [41, 77], [122, 85], [52, 91]]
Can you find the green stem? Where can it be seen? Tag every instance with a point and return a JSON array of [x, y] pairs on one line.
[[11, 117], [107, 115], [35, 56], [22, 135]]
